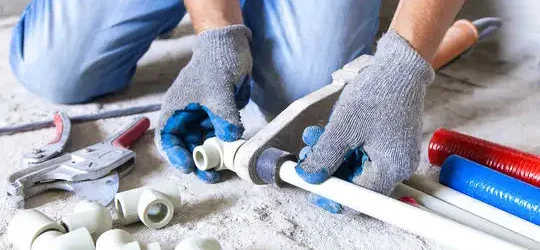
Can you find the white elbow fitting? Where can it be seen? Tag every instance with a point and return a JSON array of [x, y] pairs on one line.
[[154, 205], [216, 154], [90, 215], [79, 239], [118, 239], [27, 225], [199, 243]]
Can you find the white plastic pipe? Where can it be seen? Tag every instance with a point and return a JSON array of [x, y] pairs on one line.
[[463, 217], [476, 207], [199, 243], [397, 213], [27, 225], [155, 209], [154, 205], [79, 239], [90, 215], [117, 239], [216, 154]]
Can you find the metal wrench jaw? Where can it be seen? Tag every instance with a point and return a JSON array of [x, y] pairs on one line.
[[77, 166], [87, 164], [56, 146], [100, 190], [71, 177]]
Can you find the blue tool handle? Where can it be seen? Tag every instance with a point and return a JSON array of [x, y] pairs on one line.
[[494, 188]]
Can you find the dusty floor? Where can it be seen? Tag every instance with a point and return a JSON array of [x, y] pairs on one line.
[[493, 93]]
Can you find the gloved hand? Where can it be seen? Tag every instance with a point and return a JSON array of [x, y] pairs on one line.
[[378, 114], [204, 100]]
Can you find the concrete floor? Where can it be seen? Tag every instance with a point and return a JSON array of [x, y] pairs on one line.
[[493, 93]]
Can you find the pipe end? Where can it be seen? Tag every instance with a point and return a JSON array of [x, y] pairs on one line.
[[206, 157]]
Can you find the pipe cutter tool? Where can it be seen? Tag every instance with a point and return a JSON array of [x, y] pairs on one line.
[[92, 173]]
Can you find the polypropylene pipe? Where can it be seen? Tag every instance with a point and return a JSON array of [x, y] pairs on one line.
[[518, 164], [78, 239], [397, 213], [379, 206], [199, 243], [462, 216], [154, 205], [216, 154], [118, 239], [90, 215], [475, 207], [501, 191], [27, 225]]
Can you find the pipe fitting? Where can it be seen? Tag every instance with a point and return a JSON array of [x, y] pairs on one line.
[[118, 239], [155, 210], [154, 205], [199, 243], [90, 215], [78, 239], [216, 154], [27, 225]]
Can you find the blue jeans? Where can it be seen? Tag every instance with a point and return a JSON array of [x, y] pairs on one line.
[[73, 51]]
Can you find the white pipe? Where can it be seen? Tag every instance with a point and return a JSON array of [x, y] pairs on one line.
[[154, 205], [163, 209], [216, 154], [79, 239], [462, 216], [397, 213], [199, 243], [90, 215], [476, 207], [27, 225], [118, 239]]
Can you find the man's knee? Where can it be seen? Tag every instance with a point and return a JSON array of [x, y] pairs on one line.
[[73, 51], [55, 85], [55, 90], [57, 77], [66, 86]]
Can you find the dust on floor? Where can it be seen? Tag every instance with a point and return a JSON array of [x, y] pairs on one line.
[[493, 94]]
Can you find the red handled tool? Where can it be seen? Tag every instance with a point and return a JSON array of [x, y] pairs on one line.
[[93, 172]]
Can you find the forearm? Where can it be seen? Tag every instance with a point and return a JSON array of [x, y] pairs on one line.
[[423, 23], [211, 14]]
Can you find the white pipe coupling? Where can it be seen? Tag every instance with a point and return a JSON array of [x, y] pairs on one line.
[[199, 243], [90, 215], [216, 154], [118, 239], [79, 239], [154, 205], [27, 225]]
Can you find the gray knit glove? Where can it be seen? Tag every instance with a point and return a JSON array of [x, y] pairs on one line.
[[204, 100], [379, 111]]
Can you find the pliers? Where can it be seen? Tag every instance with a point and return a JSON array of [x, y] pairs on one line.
[[93, 172]]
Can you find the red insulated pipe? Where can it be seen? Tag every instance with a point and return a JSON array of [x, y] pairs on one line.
[[510, 161]]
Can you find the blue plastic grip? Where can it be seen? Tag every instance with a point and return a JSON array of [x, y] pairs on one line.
[[496, 189]]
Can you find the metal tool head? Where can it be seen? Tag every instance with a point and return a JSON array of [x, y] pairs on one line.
[[101, 190], [53, 148], [91, 172]]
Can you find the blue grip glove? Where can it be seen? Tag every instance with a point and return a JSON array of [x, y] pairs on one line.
[[379, 111], [205, 99], [351, 167]]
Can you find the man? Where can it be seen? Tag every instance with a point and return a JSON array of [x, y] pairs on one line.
[[73, 51]]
